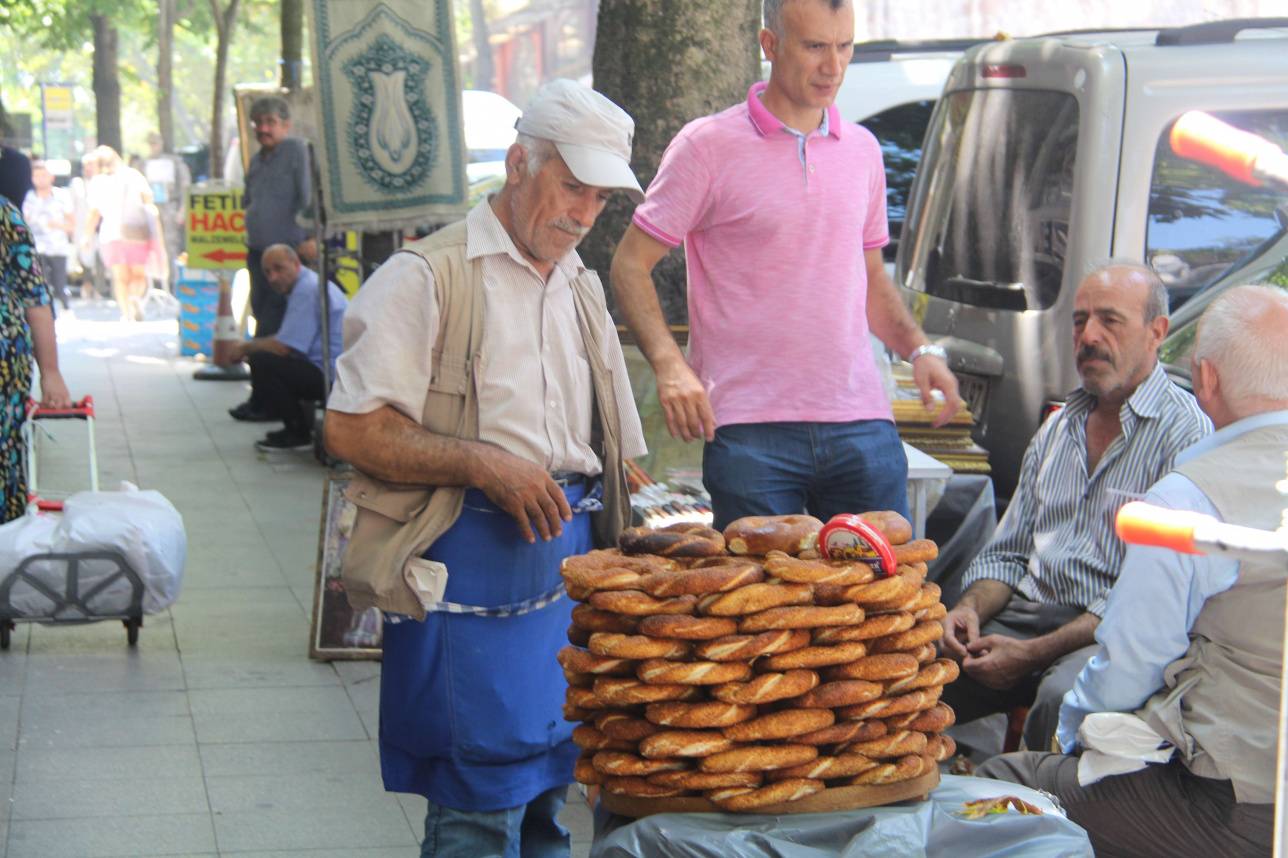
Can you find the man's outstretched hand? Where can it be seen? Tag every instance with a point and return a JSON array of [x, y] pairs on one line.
[[522, 489]]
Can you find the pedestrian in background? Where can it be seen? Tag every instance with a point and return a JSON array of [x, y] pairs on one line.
[[51, 217], [121, 210]]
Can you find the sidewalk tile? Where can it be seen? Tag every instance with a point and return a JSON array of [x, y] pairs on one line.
[[158, 761], [348, 758], [108, 837], [317, 829], [70, 799]]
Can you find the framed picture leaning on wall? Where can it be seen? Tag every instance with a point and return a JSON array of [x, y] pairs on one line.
[[338, 631]]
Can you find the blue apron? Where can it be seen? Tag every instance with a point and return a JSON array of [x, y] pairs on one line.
[[471, 706]]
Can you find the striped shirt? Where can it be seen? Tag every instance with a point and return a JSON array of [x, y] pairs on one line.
[[1056, 544]]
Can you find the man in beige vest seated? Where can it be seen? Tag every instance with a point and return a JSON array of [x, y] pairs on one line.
[[1191, 645], [483, 397]]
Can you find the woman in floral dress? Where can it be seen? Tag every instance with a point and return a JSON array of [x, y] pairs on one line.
[[26, 332]]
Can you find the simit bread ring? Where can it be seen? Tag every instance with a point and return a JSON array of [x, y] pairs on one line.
[[761, 534], [589, 739], [638, 604], [845, 731], [622, 763], [588, 618], [613, 691], [844, 692], [706, 780], [826, 595], [789, 568], [684, 743], [916, 637], [925, 596], [758, 758], [917, 551], [636, 646], [577, 636], [935, 612], [707, 714], [872, 627], [816, 656], [926, 654], [662, 671], [799, 617], [781, 725], [578, 680], [675, 540], [755, 597], [639, 788], [893, 526], [874, 668], [941, 748], [742, 800], [936, 719], [613, 559], [578, 713], [584, 771], [701, 581], [893, 771], [894, 589], [582, 699], [913, 701], [840, 766], [622, 725], [586, 578], [744, 647], [580, 661], [891, 745], [686, 627], [941, 671], [767, 687]]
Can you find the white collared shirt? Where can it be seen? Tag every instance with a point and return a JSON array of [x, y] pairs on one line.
[[534, 389]]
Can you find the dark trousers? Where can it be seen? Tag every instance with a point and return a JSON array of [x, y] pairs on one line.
[[1041, 691], [1161, 810], [280, 383], [55, 270], [268, 307]]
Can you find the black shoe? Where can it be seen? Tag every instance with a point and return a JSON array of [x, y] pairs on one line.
[[285, 439], [249, 413]]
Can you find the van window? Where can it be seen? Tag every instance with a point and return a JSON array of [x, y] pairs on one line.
[[1202, 221], [899, 130], [994, 226]]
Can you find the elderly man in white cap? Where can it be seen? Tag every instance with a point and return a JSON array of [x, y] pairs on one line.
[[483, 397]]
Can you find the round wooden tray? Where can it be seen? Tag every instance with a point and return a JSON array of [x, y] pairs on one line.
[[827, 801]]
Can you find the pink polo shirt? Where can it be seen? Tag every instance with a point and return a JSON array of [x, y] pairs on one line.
[[778, 327]]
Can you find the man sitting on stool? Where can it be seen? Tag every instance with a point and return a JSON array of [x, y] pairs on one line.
[[286, 367], [1193, 644]]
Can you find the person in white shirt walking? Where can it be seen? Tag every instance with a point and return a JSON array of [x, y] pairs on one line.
[[50, 215]]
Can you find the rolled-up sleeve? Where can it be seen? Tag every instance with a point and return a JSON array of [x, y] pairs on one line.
[[390, 330]]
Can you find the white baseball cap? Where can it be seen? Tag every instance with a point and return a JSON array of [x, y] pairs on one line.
[[592, 134]]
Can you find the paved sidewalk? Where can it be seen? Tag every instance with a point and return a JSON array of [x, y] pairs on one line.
[[217, 735]]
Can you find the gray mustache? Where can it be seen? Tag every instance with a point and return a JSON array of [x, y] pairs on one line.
[[1089, 352], [570, 226]]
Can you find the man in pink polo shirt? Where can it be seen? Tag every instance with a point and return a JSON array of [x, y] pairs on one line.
[[780, 206]]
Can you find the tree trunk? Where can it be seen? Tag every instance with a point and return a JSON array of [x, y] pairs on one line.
[[667, 63], [224, 21], [107, 84], [292, 44], [484, 71], [165, 73]]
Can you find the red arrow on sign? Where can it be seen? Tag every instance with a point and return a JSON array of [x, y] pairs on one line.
[[221, 255]]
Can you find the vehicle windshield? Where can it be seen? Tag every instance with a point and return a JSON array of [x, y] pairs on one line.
[[993, 225]]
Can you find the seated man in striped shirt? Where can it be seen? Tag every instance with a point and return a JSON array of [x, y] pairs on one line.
[[1025, 625]]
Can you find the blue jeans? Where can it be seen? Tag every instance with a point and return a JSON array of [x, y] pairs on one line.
[[819, 468], [526, 831]]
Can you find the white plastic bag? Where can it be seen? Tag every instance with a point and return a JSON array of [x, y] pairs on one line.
[[142, 526], [25, 537]]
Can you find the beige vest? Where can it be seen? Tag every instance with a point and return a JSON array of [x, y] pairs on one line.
[[395, 524], [1220, 701]]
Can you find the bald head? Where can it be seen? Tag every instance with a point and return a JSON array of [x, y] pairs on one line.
[[1240, 360], [281, 267]]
